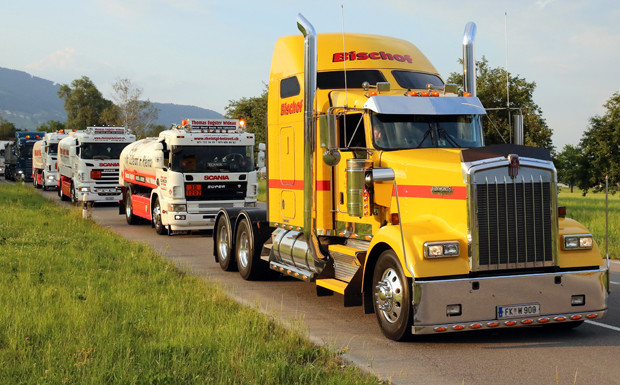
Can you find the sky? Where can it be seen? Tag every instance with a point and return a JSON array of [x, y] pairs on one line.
[[207, 53]]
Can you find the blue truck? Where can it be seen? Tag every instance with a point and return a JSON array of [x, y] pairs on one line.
[[18, 157]]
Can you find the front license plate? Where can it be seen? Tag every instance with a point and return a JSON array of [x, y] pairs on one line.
[[109, 198], [516, 311]]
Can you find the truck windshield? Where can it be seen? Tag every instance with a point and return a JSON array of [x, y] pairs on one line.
[[101, 150], [52, 149], [212, 159], [399, 132]]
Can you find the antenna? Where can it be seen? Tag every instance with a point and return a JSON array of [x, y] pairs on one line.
[[507, 76]]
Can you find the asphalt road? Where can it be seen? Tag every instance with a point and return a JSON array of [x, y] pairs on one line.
[[584, 355]]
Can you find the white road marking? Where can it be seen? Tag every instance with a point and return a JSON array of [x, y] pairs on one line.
[[615, 283], [603, 325]]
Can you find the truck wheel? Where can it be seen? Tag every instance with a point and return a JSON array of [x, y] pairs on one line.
[[392, 296], [129, 216], [249, 263], [74, 198], [156, 215], [223, 245]]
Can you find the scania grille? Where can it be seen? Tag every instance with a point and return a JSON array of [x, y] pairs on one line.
[[514, 224], [108, 176], [215, 191]]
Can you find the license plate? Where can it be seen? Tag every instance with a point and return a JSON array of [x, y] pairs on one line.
[[109, 198], [516, 311]]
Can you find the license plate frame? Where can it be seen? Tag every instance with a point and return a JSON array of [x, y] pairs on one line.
[[522, 310]]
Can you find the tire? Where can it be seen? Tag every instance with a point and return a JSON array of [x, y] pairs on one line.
[[62, 196], [156, 218], [129, 216], [392, 297], [250, 266], [74, 198], [223, 245]]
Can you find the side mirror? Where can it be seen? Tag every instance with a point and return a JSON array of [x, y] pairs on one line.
[[260, 157], [158, 159], [327, 133]]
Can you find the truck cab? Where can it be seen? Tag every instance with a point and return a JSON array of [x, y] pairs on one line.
[[89, 164], [19, 161]]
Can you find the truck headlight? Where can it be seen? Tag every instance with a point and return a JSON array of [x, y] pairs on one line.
[[441, 249], [177, 208], [578, 242], [84, 189]]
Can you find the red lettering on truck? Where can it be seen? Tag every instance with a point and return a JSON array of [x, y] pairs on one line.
[[217, 177], [292, 108], [108, 164], [353, 55]]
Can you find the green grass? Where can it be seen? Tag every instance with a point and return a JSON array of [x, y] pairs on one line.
[[80, 305], [590, 211], [262, 190]]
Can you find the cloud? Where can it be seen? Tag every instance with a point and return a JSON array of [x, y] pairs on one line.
[[61, 59], [543, 3]]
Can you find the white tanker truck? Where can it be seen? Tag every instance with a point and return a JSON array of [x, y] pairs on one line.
[[88, 163], [45, 160], [181, 179]]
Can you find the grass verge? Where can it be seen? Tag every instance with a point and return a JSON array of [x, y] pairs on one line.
[[82, 305], [590, 211]]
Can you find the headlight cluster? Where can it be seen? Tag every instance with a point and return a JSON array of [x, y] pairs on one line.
[[441, 249], [577, 242], [177, 208]]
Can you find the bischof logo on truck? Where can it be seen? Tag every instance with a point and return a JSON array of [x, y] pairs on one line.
[[353, 55], [217, 177], [292, 108]]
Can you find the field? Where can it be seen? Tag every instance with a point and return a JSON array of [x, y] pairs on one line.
[[81, 305], [590, 211]]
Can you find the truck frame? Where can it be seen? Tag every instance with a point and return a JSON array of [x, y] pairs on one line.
[[380, 189]]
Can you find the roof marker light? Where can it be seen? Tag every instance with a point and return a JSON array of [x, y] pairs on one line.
[[467, 94]]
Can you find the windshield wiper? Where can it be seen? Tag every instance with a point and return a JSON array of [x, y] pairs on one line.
[[448, 137], [429, 131]]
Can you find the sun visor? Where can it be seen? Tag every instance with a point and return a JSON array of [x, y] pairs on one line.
[[402, 105]]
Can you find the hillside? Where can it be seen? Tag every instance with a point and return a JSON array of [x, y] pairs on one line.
[[29, 101]]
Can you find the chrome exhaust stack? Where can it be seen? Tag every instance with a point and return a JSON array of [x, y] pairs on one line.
[[469, 59], [292, 248], [310, 59]]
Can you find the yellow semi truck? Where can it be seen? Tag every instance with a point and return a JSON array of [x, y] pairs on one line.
[[380, 189]]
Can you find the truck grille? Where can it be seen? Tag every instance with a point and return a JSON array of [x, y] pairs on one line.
[[514, 223], [108, 176], [215, 191]]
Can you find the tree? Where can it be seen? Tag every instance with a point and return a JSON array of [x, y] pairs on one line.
[[568, 163], [254, 111], [134, 114], [51, 126], [600, 144], [491, 90], [7, 129], [86, 106]]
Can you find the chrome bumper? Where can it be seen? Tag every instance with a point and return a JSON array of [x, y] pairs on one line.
[[479, 299]]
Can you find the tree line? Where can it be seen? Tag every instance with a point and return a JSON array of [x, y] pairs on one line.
[[86, 106]]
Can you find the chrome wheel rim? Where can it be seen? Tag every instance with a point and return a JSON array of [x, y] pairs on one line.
[[223, 243], [244, 248], [128, 206], [389, 295], [157, 216]]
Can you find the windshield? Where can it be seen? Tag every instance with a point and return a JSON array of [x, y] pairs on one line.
[[212, 159], [397, 132], [101, 150], [52, 149]]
